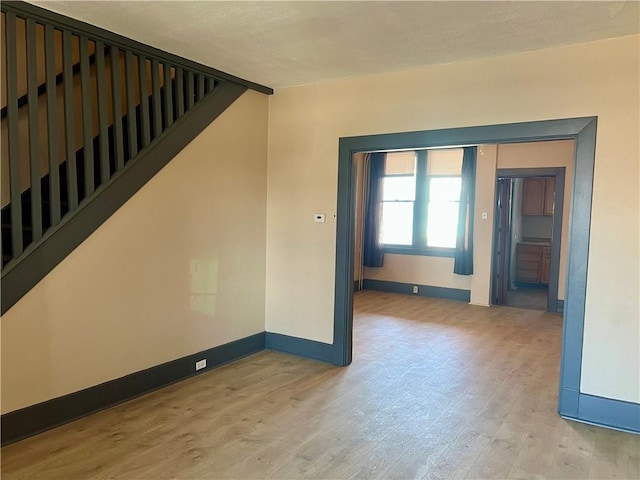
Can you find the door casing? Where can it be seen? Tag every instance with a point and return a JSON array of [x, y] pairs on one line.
[[582, 130], [553, 304]]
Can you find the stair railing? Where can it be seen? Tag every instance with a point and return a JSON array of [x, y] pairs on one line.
[[107, 98]]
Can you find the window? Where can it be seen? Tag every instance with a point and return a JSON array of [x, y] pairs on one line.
[[421, 197], [442, 211], [398, 199]]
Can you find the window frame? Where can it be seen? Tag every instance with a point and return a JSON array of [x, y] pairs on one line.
[[420, 212]]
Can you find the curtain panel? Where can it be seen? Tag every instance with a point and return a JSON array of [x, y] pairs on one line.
[[373, 252], [463, 264]]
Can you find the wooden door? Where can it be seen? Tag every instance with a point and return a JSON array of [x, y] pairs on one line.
[[503, 242], [549, 195], [533, 196]]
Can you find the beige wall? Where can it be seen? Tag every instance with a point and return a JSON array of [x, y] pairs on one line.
[[178, 269], [306, 123], [483, 228], [419, 270]]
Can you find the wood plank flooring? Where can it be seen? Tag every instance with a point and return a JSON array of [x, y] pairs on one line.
[[437, 389]]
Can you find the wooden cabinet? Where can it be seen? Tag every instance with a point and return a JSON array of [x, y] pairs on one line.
[[528, 258], [546, 265], [533, 263], [533, 196], [537, 196]]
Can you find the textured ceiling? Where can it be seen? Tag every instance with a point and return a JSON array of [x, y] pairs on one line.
[[282, 44]]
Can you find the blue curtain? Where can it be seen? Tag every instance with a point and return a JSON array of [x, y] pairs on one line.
[[463, 264], [373, 253]]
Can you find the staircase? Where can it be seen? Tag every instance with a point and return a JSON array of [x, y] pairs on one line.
[[86, 181], [102, 114]]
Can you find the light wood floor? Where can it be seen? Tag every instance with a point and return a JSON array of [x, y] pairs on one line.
[[437, 389]]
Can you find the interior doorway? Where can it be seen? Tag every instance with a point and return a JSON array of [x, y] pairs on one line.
[[581, 130], [527, 233]]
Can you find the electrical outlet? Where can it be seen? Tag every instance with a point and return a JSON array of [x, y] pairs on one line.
[[415, 289], [201, 364]]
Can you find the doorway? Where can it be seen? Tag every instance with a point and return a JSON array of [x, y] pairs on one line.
[[527, 238], [581, 130]]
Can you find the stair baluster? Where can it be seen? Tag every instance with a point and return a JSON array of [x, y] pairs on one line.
[[108, 100]]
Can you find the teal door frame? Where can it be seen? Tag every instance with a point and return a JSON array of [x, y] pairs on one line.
[[583, 132], [553, 303]]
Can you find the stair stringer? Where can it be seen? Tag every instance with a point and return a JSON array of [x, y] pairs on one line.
[[41, 257]]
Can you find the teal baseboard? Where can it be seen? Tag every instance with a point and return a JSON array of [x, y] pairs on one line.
[[568, 402], [604, 412], [38, 418], [299, 346], [44, 416], [423, 290]]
